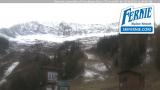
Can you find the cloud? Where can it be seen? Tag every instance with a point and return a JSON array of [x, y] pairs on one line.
[[100, 13]]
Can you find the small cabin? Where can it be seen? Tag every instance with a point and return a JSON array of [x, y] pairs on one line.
[[131, 80], [50, 77]]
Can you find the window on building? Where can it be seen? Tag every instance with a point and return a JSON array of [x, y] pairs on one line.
[[52, 76]]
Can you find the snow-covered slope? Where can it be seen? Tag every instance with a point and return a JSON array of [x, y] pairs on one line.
[[32, 32]]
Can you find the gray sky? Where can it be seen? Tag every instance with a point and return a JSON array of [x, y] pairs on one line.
[[87, 13]]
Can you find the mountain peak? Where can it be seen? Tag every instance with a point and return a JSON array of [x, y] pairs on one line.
[[33, 30]]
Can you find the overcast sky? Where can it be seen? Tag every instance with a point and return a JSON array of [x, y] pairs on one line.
[[88, 13]]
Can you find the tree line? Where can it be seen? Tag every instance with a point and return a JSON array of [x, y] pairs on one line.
[[128, 51]]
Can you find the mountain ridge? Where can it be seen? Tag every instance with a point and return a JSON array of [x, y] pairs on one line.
[[33, 31]]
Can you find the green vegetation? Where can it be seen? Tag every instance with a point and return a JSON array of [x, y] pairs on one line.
[[28, 74], [126, 51], [108, 46], [70, 56], [4, 44], [132, 50], [156, 47]]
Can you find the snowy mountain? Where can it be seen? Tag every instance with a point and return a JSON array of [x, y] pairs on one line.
[[32, 32]]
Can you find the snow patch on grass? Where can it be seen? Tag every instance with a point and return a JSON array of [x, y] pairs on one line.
[[8, 72], [10, 69]]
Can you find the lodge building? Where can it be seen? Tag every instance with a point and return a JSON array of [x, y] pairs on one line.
[[131, 80]]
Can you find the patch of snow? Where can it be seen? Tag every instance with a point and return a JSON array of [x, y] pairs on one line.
[[2, 81], [101, 78], [95, 68], [100, 67], [22, 50], [89, 74], [51, 57], [10, 69], [8, 72], [56, 38], [91, 56], [148, 55]]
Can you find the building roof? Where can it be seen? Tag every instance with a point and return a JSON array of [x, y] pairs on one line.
[[130, 71], [52, 68], [136, 69]]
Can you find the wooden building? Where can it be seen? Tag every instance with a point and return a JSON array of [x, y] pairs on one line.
[[131, 80], [50, 77]]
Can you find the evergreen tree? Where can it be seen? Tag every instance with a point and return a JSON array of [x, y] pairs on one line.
[[156, 47], [69, 55], [4, 44]]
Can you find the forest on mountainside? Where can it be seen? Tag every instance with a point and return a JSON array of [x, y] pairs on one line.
[[117, 52]]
